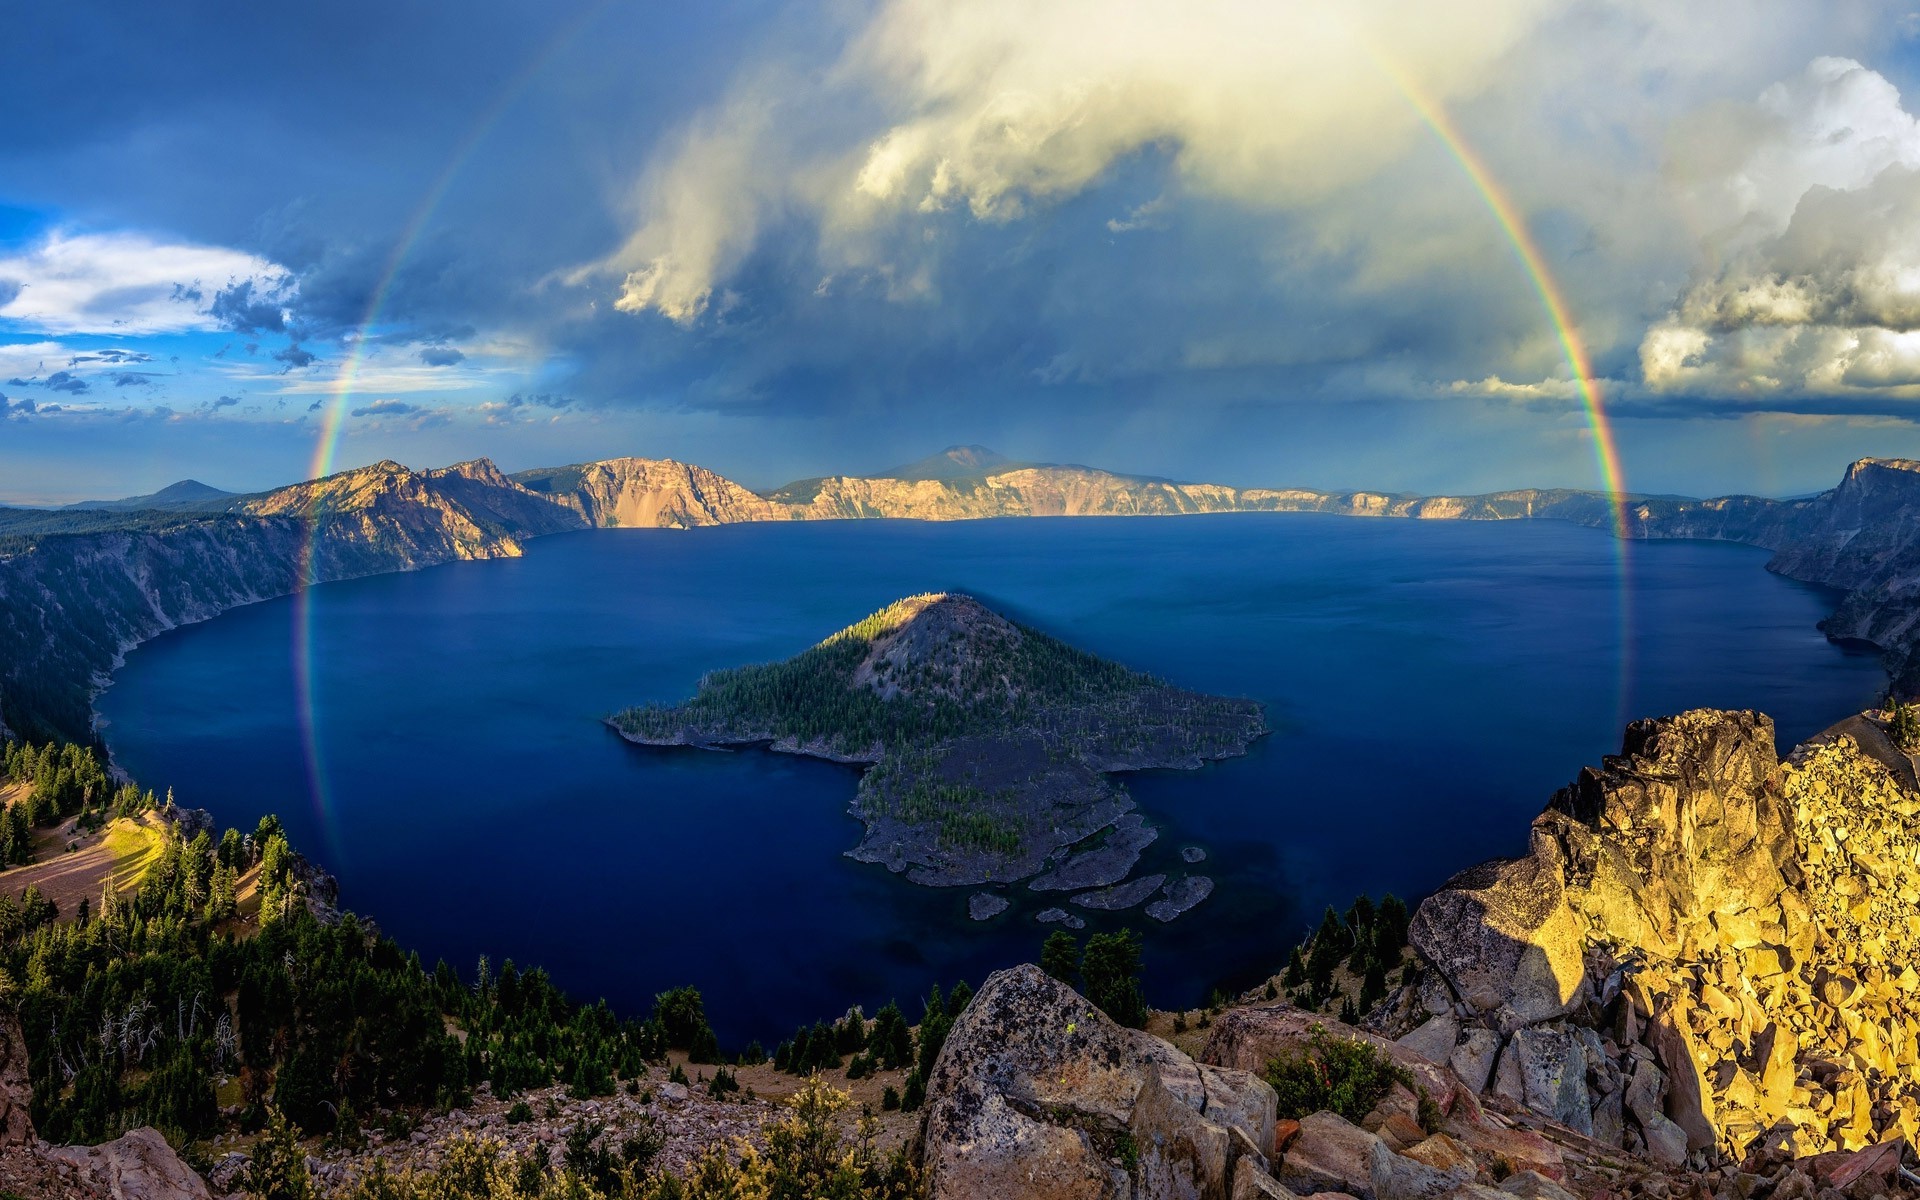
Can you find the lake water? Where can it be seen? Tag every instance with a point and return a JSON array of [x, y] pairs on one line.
[[1430, 685]]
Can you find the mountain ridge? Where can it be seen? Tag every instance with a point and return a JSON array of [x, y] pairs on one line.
[[81, 587]]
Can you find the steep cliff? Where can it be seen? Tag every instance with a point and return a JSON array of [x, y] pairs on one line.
[[1705, 950], [1864, 538], [649, 493], [72, 604]]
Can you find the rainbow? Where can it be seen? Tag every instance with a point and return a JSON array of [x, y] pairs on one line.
[[340, 396], [1606, 449], [1436, 118]]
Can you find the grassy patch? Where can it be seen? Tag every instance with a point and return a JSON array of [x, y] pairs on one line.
[[132, 843]]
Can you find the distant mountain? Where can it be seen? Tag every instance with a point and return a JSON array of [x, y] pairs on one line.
[[188, 493], [79, 586], [955, 462]]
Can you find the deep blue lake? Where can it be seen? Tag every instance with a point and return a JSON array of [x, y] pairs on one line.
[[1430, 685]]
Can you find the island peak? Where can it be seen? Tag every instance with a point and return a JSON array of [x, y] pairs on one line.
[[990, 742]]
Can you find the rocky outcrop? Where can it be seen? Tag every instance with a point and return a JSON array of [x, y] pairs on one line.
[[1038, 1094], [1707, 951], [1864, 538], [139, 1165], [649, 493]]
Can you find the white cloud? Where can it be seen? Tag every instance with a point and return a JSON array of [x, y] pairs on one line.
[[1814, 211], [992, 107], [1301, 126], [123, 283]]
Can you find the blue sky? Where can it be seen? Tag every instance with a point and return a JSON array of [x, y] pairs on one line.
[[1211, 239]]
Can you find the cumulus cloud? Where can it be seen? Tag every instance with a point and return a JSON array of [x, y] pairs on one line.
[[123, 283], [992, 108], [1814, 207], [387, 408], [248, 306]]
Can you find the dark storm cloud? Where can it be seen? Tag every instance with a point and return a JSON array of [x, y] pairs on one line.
[[294, 356], [441, 356], [240, 309], [67, 381]]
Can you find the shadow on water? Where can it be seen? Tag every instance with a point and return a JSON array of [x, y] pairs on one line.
[[1430, 684]]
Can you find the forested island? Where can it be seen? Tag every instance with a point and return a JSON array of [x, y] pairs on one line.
[[990, 744]]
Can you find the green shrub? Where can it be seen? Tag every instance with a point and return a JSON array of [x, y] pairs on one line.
[[1340, 1075]]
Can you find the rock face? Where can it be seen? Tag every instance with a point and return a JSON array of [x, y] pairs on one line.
[[73, 604], [649, 493], [139, 1165], [1864, 538], [1707, 949], [1038, 1094]]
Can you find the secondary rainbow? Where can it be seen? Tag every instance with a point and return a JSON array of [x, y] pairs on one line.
[[333, 416]]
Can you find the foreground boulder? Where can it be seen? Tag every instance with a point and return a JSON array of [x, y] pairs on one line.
[[1706, 951], [1039, 1094], [139, 1165]]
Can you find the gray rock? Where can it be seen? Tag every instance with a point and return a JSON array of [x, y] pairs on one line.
[[1434, 1040], [1473, 1058], [1609, 1122], [1330, 1155], [1180, 895], [1125, 895], [1396, 1177], [1505, 939], [984, 906], [1545, 1068], [1252, 1181], [1532, 1185], [1644, 1091], [138, 1165], [1666, 1142], [1192, 854], [1036, 1092]]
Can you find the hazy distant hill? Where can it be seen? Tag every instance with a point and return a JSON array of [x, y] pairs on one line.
[[188, 493]]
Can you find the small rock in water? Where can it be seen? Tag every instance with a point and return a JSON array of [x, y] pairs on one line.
[[1062, 916], [982, 906], [1124, 895], [1192, 854], [1181, 895]]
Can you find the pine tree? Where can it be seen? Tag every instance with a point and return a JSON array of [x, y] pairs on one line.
[[1060, 957], [1112, 969]]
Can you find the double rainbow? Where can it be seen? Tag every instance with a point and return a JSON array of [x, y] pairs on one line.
[[1432, 113]]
